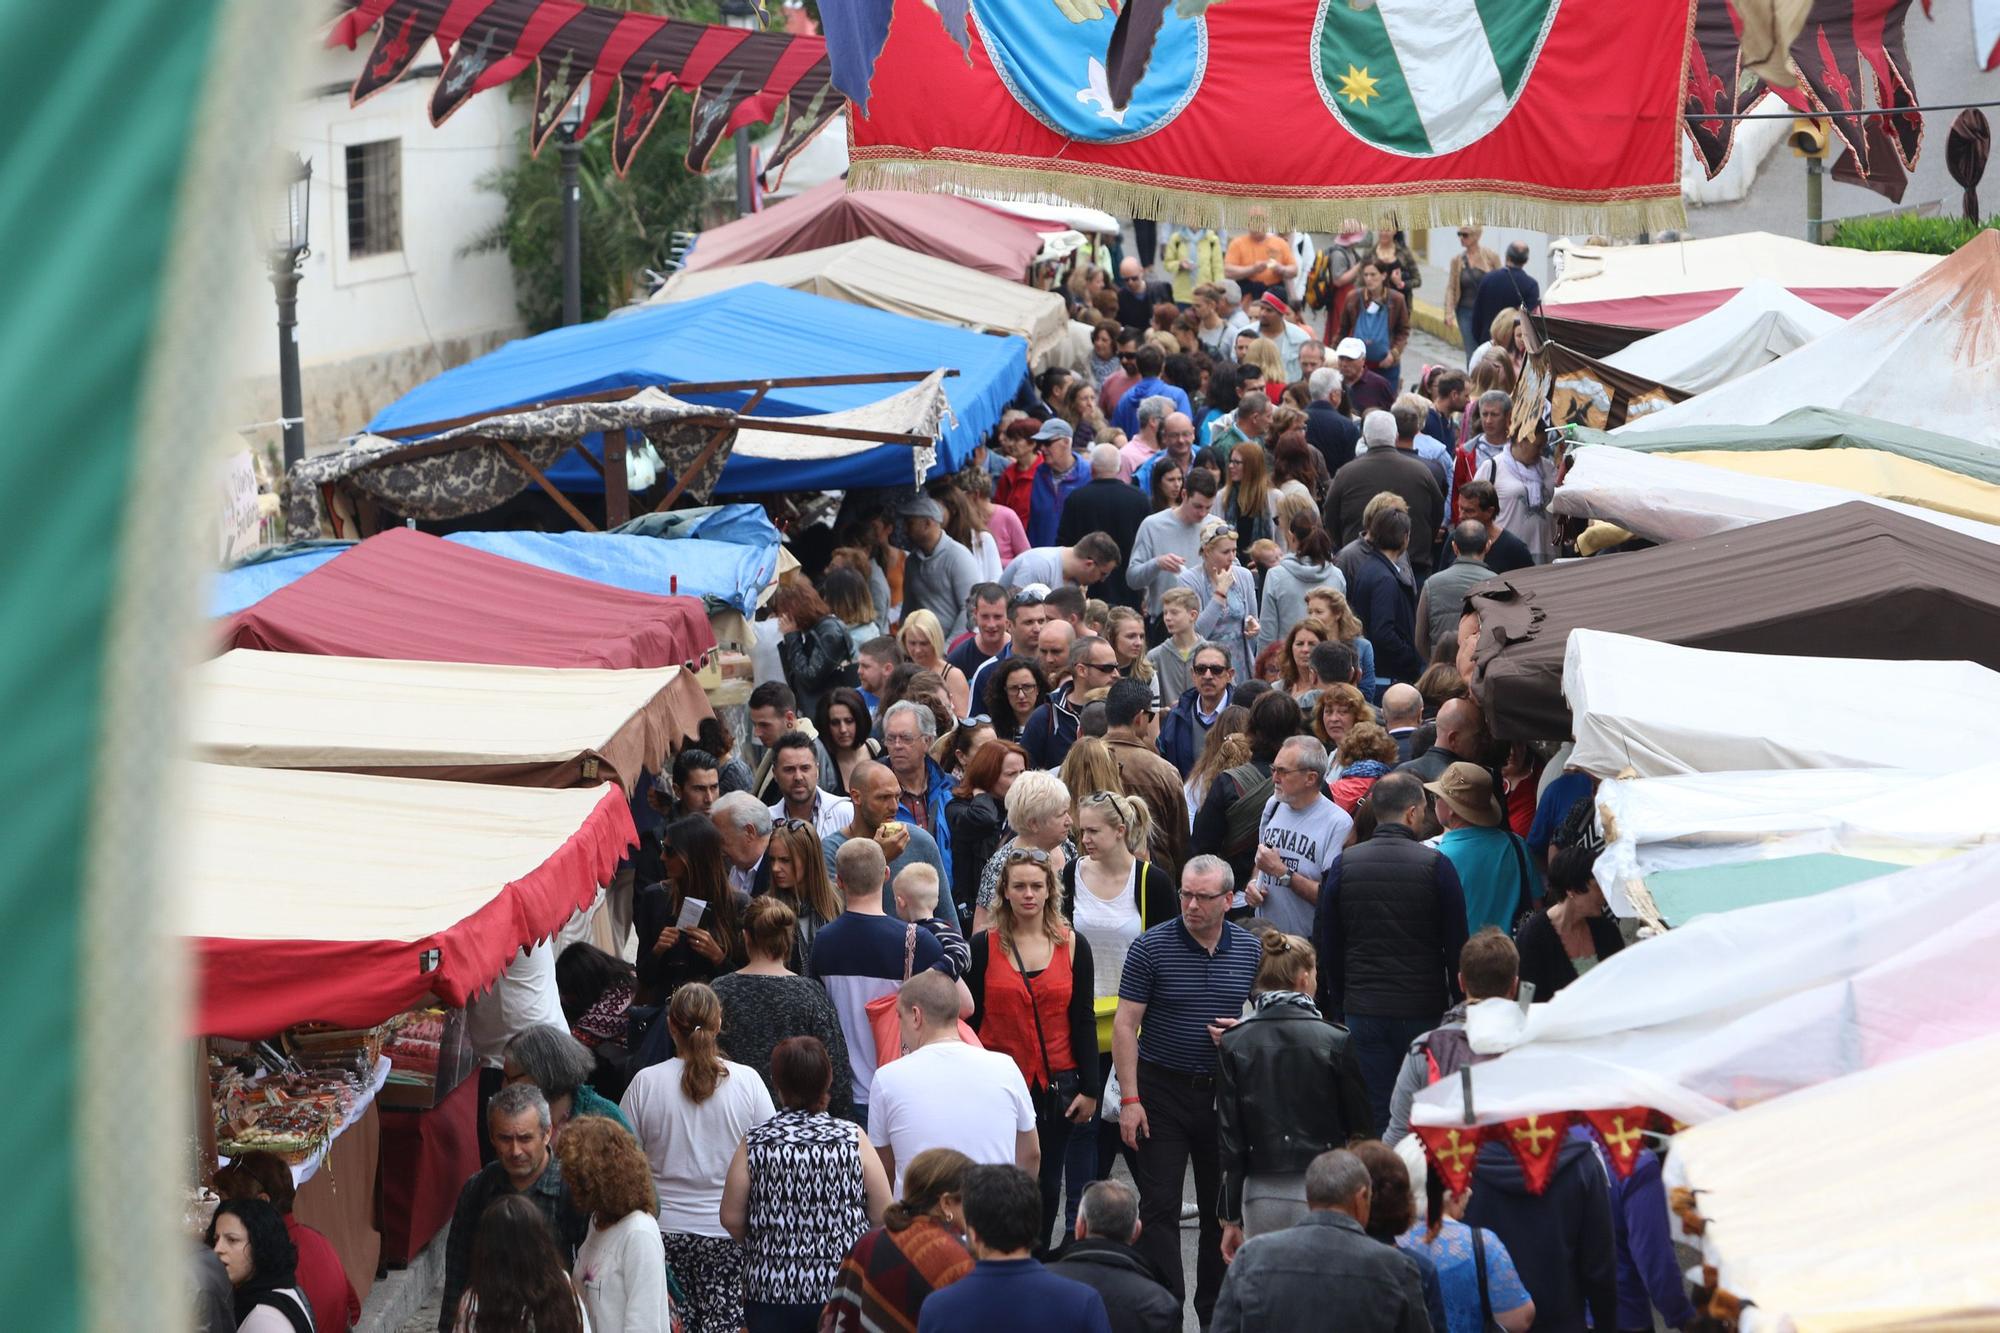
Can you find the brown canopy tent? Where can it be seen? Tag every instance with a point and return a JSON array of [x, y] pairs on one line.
[[1856, 580]]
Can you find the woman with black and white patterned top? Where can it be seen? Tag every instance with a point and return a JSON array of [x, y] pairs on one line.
[[804, 1186]]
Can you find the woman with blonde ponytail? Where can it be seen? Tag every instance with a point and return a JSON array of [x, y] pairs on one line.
[[1287, 1088], [690, 1113]]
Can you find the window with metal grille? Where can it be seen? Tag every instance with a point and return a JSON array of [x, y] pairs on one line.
[[374, 198]]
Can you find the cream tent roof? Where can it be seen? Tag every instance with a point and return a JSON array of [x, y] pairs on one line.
[[1779, 1184], [1672, 497], [875, 273], [1652, 709], [1661, 286], [1752, 328], [525, 726], [1926, 356], [1739, 1007]]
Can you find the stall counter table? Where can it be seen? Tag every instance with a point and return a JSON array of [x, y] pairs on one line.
[[427, 1156]]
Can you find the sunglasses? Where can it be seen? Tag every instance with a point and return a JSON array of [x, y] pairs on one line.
[[1020, 854], [1211, 671], [1021, 599], [793, 825], [1108, 668]]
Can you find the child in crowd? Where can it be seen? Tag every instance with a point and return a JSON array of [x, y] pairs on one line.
[[1179, 608], [916, 890]]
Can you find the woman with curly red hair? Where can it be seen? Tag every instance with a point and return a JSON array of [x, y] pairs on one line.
[[621, 1268]]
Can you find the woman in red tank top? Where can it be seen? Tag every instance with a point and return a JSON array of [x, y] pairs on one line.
[[1031, 983]]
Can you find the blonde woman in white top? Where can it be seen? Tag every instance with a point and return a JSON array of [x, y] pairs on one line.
[[922, 638]]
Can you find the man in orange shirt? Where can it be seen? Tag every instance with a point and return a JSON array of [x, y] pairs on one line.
[[1260, 259]]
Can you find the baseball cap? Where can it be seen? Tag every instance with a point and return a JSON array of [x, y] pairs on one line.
[[1055, 428], [1352, 349], [1468, 789], [921, 506]]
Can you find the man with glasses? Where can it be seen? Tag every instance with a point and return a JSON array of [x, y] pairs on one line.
[[804, 800], [1132, 734], [1136, 296], [1176, 450], [1127, 373], [1025, 618], [1049, 489], [1051, 729], [908, 732], [1186, 727], [1299, 837], [1184, 982]]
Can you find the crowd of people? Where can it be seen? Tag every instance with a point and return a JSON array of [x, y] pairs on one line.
[[1119, 800]]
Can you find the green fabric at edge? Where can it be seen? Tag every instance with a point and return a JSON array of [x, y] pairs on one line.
[[1682, 895], [100, 102], [1814, 428]]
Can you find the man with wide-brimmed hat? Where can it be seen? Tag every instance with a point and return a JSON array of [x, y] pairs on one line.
[[1493, 863]]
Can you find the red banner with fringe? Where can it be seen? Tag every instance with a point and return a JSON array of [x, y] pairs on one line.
[[1536, 1141], [1559, 115]]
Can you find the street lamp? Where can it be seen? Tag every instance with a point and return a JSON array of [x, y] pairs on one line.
[[287, 248], [741, 14], [571, 152]]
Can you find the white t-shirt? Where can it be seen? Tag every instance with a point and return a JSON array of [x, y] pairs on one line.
[[949, 1095], [524, 996], [1309, 842], [690, 1144]]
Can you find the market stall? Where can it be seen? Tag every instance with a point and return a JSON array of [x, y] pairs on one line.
[[828, 356], [1665, 285], [326, 907], [1733, 1010], [1669, 497], [463, 722], [1678, 847], [1756, 326], [1646, 709], [1914, 1139], [881, 275], [1925, 356], [934, 224], [1852, 581], [402, 594]]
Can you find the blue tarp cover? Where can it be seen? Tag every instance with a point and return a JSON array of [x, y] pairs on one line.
[[747, 332], [251, 582]]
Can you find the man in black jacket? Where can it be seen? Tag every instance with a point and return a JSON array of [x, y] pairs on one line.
[[1116, 508], [1389, 928], [1328, 429], [1101, 1257]]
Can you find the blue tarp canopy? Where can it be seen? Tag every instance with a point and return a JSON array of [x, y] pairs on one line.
[[755, 331], [728, 552]]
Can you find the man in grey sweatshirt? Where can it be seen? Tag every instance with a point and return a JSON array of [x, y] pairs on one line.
[[939, 573], [1170, 540]]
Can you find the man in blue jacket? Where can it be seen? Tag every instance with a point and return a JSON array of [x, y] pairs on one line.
[[1184, 730], [1385, 599], [1007, 1289], [908, 732]]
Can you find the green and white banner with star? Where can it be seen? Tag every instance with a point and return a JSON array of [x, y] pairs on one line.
[[1560, 115]]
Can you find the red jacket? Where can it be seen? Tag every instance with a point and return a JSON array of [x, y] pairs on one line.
[[1015, 488], [323, 1280]]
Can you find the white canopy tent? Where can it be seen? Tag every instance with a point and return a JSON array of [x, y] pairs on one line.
[[1676, 847], [1927, 356], [1665, 498], [1752, 328], [1741, 1007], [1647, 709], [1915, 1140], [883, 276]]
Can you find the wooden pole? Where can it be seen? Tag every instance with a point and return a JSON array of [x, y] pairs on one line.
[[520, 460]]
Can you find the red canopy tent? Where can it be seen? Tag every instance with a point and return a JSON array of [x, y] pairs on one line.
[[941, 225], [404, 594]]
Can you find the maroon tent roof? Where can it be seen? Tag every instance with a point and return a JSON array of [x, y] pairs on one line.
[[933, 224], [404, 594]]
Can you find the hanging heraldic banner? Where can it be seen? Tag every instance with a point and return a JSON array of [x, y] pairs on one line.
[[1555, 115]]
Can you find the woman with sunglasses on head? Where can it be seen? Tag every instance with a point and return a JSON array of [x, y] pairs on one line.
[[1033, 987], [1228, 595], [1014, 690], [799, 880]]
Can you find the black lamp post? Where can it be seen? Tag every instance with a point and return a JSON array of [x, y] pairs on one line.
[[571, 151], [741, 14], [287, 242]]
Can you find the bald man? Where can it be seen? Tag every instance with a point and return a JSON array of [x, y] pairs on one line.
[[1115, 508], [1402, 714], [1460, 728], [1137, 297], [1052, 650]]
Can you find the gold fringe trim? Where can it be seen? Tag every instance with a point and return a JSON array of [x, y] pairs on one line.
[[1561, 213]]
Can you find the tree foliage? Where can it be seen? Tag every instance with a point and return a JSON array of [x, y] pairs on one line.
[[1902, 231]]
